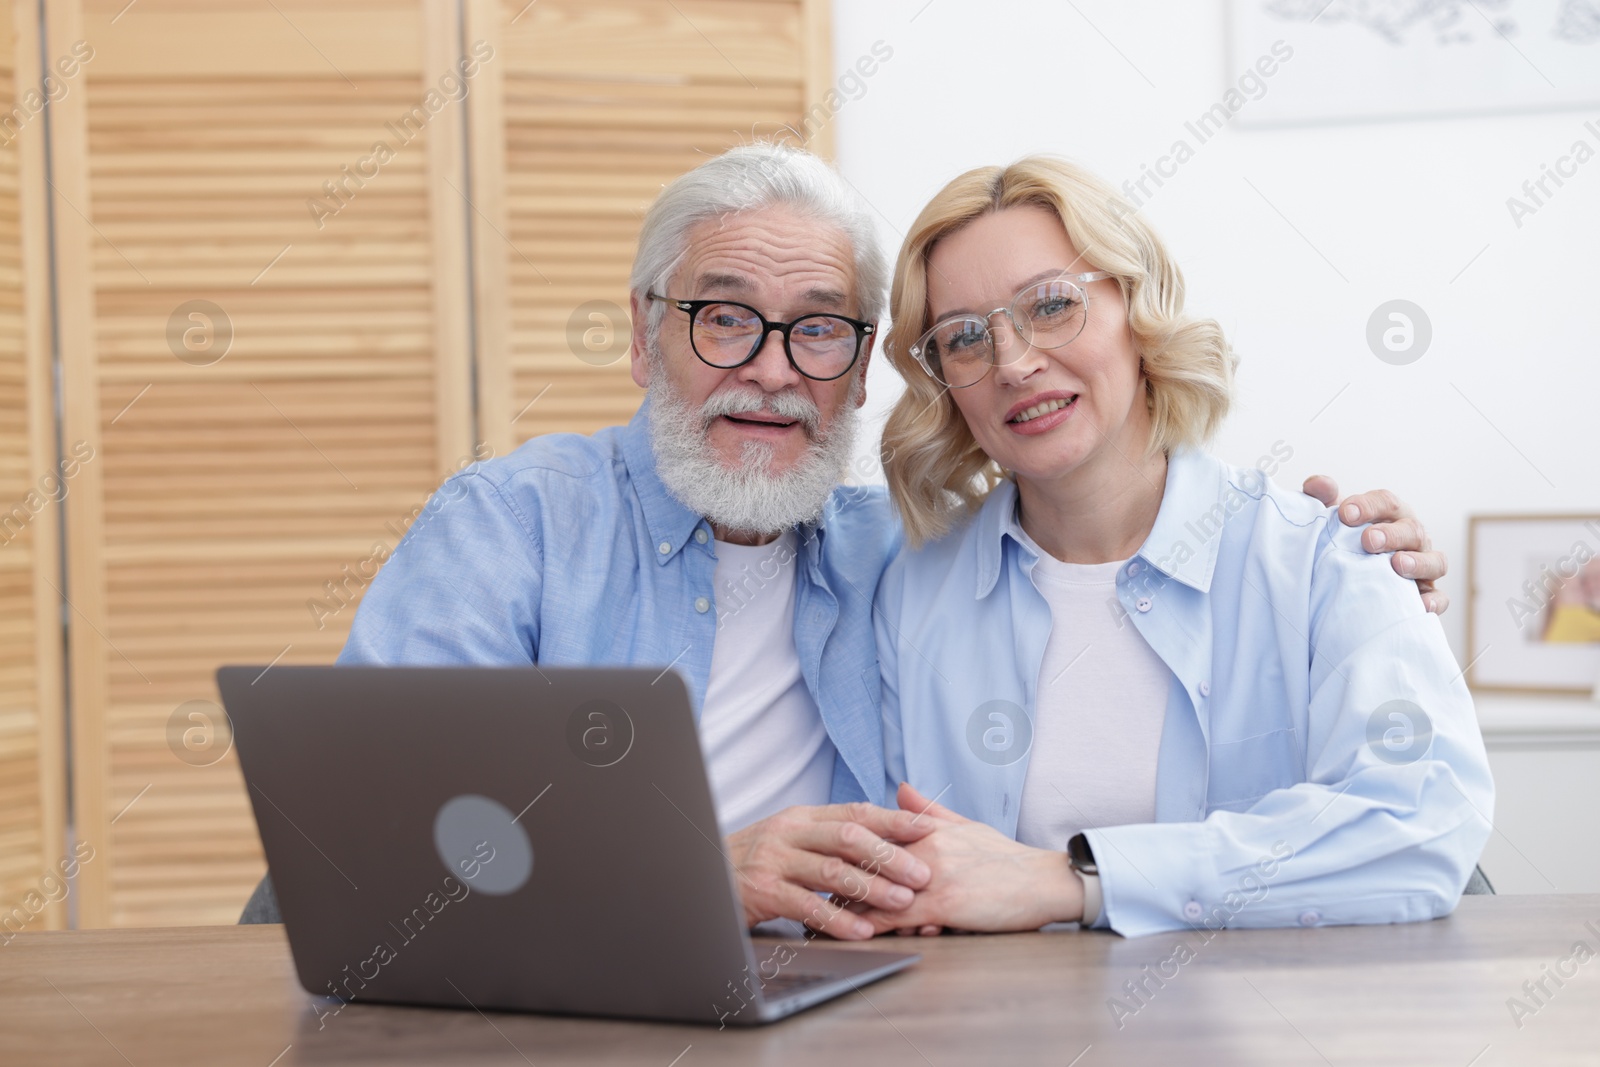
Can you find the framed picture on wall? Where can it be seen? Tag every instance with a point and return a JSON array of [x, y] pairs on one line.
[[1355, 60], [1534, 619]]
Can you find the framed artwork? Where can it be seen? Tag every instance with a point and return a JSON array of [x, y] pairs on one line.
[[1353, 60], [1533, 623]]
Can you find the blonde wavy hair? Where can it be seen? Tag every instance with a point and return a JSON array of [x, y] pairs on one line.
[[937, 474]]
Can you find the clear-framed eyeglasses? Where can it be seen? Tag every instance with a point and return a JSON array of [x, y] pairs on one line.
[[960, 350]]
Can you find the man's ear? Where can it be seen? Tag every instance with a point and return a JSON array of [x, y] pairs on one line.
[[637, 356], [866, 358]]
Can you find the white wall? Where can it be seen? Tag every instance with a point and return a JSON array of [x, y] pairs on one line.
[[1398, 208]]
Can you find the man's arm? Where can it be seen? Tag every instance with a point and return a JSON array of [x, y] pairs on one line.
[[1395, 528]]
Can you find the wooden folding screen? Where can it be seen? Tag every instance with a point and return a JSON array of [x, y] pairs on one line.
[[33, 888], [598, 104], [262, 288], [263, 311]]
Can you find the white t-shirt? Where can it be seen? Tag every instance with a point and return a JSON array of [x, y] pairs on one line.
[[1098, 718], [765, 745]]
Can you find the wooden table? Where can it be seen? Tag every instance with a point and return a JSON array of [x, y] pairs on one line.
[[1425, 993]]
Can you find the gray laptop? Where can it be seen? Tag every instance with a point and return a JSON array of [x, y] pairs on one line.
[[514, 838]]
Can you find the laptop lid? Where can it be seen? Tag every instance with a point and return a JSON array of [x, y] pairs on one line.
[[497, 837]]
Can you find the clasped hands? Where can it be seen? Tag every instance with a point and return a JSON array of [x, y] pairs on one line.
[[916, 870]]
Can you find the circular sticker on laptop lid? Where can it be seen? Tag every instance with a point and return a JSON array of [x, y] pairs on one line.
[[481, 843]]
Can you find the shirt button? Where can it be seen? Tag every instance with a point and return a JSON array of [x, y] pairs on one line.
[[1193, 911], [1205, 689], [1143, 603], [702, 605], [1310, 918], [1134, 568], [700, 536], [664, 547]]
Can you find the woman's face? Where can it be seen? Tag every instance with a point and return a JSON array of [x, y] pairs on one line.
[[1094, 381]]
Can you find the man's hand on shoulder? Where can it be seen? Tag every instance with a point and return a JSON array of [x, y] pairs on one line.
[[847, 850], [1395, 528]]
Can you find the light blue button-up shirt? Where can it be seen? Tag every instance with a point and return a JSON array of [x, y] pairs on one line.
[[1298, 781], [571, 551]]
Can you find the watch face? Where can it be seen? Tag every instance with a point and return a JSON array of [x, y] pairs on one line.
[[1080, 855]]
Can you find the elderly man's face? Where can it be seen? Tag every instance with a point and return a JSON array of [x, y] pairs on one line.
[[785, 266]]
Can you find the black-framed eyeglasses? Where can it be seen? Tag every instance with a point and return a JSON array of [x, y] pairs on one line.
[[959, 351], [726, 335]]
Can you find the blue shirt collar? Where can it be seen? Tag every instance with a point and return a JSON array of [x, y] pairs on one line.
[[1184, 541], [1178, 546], [669, 520], [996, 520]]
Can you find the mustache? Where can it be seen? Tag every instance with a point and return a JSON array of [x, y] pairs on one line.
[[786, 405]]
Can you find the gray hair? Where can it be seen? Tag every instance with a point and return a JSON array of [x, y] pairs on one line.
[[746, 178]]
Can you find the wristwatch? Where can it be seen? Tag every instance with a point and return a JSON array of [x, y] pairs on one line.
[[1081, 856]]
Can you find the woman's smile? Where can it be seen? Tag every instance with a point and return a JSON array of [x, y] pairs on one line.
[[1041, 413]]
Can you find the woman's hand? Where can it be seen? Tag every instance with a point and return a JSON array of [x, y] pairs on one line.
[[1395, 528], [982, 880]]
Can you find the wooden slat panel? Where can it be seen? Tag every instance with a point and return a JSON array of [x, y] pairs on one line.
[[306, 39], [32, 763], [638, 40], [237, 507], [591, 107]]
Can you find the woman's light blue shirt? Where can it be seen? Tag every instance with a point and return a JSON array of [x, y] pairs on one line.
[[1320, 760]]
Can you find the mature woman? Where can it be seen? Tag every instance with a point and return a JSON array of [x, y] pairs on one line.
[[1134, 686]]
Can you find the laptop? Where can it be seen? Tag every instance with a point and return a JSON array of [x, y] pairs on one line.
[[516, 838]]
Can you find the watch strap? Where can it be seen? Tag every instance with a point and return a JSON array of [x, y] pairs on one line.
[[1081, 857], [1091, 900]]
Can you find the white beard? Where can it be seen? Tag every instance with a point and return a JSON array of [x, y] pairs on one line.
[[750, 498]]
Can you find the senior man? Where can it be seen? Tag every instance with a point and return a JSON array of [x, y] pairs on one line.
[[710, 534]]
